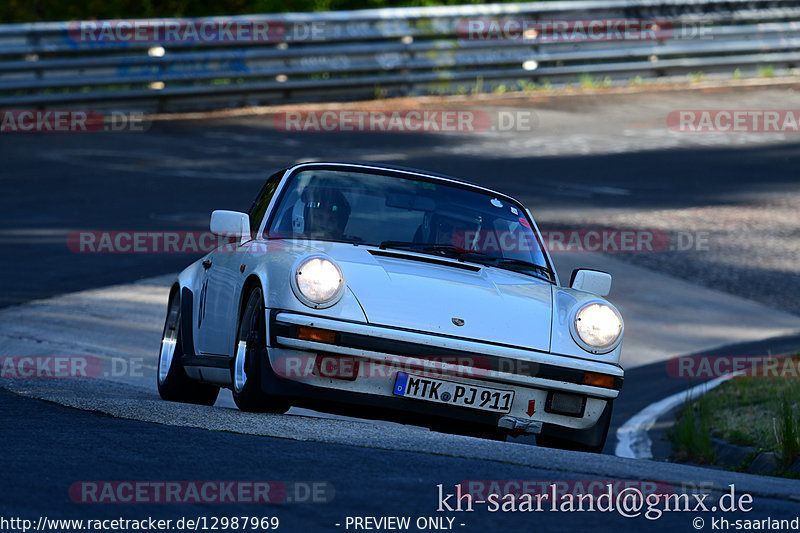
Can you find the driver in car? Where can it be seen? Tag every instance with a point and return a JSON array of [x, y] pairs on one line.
[[326, 212], [445, 232]]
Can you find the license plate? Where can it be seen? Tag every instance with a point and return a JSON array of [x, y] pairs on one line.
[[452, 393]]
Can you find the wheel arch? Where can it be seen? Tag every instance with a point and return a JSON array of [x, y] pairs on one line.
[[252, 281], [175, 288]]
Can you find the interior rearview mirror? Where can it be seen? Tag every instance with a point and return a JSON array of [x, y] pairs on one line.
[[411, 202]]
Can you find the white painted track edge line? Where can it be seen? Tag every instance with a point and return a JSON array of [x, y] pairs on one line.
[[632, 438]]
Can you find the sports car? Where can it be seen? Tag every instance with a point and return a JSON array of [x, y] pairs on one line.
[[390, 293]]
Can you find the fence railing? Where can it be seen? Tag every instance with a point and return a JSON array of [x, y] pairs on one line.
[[208, 63]]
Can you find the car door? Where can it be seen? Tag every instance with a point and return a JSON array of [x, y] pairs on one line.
[[218, 312], [216, 301]]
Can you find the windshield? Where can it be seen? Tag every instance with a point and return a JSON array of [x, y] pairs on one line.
[[407, 213]]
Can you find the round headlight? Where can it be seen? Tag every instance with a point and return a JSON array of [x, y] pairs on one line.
[[318, 282], [598, 327]]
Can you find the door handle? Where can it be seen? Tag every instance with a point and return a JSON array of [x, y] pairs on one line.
[[207, 264]]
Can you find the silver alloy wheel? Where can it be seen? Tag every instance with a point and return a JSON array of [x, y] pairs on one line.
[[239, 372], [169, 341]]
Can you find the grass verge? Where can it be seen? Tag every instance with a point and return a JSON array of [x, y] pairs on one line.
[[752, 410]]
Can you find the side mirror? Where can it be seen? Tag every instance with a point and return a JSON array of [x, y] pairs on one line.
[[594, 281], [231, 224]]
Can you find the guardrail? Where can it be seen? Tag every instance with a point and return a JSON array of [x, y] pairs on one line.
[[387, 52]]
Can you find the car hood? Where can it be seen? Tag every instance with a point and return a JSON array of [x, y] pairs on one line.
[[423, 293]]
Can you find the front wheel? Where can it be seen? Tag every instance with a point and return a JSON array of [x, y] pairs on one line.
[[250, 353], [173, 383]]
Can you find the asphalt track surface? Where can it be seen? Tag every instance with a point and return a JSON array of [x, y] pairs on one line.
[[55, 184], [84, 446]]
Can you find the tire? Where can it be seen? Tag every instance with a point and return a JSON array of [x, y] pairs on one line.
[[173, 383], [591, 440], [250, 353]]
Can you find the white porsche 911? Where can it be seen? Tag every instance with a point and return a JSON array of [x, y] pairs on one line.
[[391, 293]]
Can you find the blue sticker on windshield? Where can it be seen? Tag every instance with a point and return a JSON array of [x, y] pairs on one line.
[[496, 202]]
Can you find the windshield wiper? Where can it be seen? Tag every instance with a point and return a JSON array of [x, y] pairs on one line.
[[517, 265], [440, 249], [402, 245], [424, 246]]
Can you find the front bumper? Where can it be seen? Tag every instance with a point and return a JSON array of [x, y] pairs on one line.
[[533, 376]]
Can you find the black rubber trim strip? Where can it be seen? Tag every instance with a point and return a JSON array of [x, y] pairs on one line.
[[421, 259], [422, 351], [187, 312], [209, 361]]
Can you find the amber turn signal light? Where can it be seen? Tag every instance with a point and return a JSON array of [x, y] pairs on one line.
[[307, 333], [598, 380]]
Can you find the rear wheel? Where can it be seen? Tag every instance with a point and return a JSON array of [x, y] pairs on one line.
[[173, 383], [250, 353]]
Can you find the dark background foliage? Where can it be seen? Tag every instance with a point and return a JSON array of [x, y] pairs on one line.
[[49, 10]]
